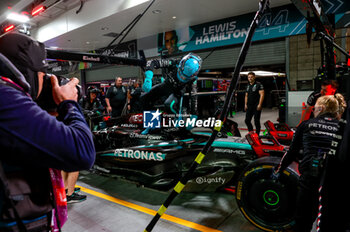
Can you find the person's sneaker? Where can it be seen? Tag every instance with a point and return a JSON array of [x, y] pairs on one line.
[[76, 190], [75, 197]]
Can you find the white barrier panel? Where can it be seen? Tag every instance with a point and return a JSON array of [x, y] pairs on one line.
[[295, 103]]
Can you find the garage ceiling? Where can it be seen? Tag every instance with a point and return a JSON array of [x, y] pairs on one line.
[[91, 35]]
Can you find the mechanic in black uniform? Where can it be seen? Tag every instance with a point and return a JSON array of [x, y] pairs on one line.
[[116, 98], [328, 87], [135, 93], [311, 144], [92, 107], [178, 75], [90, 101], [253, 100]]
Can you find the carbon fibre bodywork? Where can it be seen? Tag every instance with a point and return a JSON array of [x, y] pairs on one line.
[[161, 157]]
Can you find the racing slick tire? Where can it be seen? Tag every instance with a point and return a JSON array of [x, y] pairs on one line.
[[268, 204]]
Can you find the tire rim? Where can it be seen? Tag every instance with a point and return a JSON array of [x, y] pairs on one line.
[[271, 197]]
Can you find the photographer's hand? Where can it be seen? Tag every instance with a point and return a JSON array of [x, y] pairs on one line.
[[65, 92]]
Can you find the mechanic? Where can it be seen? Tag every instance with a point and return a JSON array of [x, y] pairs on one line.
[[328, 87], [135, 94], [92, 107], [253, 100], [90, 101], [311, 145], [178, 75], [116, 98], [32, 141]]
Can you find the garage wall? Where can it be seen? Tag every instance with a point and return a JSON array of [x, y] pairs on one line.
[[109, 73], [258, 54], [305, 60]]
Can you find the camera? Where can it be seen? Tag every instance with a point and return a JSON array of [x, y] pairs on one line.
[[45, 99]]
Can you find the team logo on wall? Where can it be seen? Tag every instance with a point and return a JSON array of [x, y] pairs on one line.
[[151, 119]]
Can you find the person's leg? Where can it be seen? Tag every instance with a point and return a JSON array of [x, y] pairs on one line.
[[65, 176], [72, 195], [171, 104], [71, 181], [231, 110], [248, 118], [257, 115]]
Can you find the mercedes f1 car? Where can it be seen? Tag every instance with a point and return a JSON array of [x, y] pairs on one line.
[[161, 157]]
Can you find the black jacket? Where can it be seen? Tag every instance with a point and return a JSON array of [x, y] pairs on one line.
[[312, 139], [86, 104], [31, 137]]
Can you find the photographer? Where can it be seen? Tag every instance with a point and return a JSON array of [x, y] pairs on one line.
[[32, 141], [311, 145]]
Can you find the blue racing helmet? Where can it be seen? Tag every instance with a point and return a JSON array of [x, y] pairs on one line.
[[189, 67]]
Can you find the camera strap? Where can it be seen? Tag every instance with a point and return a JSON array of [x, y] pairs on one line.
[[9, 82]]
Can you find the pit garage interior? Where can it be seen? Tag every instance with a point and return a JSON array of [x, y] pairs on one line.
[[288, 64]]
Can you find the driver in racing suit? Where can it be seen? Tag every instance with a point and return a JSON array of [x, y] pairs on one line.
[[178, 75], [311, 144]]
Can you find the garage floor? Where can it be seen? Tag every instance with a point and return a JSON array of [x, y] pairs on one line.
[[118, 205]]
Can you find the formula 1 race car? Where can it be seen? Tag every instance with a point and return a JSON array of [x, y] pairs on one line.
[[280, 131], [159, 158]]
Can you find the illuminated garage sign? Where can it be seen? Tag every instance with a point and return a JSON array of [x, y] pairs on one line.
[[136, 154], [280, 22]]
